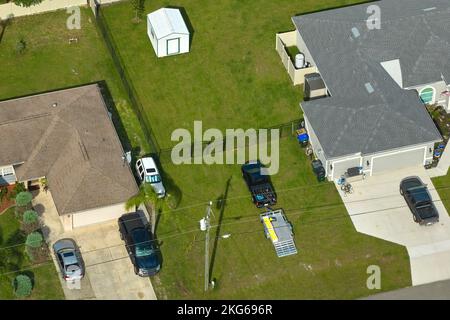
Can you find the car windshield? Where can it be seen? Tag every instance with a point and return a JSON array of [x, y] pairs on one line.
[[143, 250], [143, 245], [154, 178]]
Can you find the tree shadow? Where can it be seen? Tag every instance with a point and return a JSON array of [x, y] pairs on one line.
[[3, 24], [187, 21], [220, 205]]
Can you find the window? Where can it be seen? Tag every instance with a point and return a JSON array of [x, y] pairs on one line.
[[6, 171], [427, 95]]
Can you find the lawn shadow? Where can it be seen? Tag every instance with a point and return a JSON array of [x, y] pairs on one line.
[[188, 23], [221, 203]]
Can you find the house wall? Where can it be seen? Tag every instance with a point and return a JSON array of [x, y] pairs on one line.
[[93, 216], [438, 87], [7, 175], [152, 37], [162, 44], [317, 148], [337, 167], [375, 163]]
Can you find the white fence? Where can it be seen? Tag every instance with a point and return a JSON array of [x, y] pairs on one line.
[[288, 39], [10, 10]]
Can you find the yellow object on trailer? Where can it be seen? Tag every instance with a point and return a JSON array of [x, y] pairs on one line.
[[279, 230], [270, 229]]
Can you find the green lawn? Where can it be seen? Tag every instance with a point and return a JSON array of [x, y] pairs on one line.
[[15, 261], [233, 78], [50, 63], [442, 185]]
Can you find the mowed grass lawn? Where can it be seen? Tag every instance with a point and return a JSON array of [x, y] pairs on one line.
[[44, 276], [442, 184], [50, 62], [233, 78]]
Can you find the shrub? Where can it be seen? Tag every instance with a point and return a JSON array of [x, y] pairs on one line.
[[34, 240], [3, 193], [21, 45], [23, 198], [22, 286], [30, 221]]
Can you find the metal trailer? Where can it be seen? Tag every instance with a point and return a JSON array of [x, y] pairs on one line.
[[279, 230]]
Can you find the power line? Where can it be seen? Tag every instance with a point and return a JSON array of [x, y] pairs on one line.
[[307, 208], [219, 236]]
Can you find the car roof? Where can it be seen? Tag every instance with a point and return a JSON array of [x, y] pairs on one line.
[[132, 221], [64, 244], [149, 164]]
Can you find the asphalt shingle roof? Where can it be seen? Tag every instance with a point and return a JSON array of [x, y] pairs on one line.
[[74, 144], [354, 120]]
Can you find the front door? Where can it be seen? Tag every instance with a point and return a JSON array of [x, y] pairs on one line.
[[173, 46]]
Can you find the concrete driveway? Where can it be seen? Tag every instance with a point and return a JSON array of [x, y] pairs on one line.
[[108, 267], [109, 271], [377, 209]]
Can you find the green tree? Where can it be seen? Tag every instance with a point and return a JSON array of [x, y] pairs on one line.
[[26, 3], [146, 195], [24, 198], [30, 221], [34, 240], [22, 286], [138, 7]]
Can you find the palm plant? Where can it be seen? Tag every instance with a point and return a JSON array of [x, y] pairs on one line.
[[146, 195]]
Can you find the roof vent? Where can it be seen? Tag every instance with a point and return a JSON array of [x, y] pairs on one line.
[[55, 104], [369, 87], [355, 32]]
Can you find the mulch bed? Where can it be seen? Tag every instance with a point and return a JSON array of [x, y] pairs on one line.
[[6, 203]]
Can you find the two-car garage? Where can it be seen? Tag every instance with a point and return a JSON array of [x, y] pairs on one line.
[[382, 162], [397, 160]]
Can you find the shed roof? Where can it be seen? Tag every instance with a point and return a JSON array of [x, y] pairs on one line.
[[166, 21], [68, 137], [368, 111]]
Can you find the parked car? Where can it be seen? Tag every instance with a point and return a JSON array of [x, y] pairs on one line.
[[69, 259], [148, 173], [259, 185], [419, 201], [140, 245], [318, 169]]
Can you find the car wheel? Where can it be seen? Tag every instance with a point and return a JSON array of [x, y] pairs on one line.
[[414, 218], [401, 191], [121, 235]]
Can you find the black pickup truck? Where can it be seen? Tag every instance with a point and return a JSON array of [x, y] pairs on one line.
[[259, 185], [140, 245], [419, 201]]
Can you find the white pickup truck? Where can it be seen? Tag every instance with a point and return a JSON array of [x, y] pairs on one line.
[[148, 173]]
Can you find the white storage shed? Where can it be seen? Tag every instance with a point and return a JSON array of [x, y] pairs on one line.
[[168, 32]]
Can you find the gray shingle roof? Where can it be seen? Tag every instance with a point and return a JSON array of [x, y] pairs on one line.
[[73, 144], [353, 120]]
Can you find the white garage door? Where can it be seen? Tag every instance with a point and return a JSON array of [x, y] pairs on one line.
[[409, 158], [173, 46], [85, 218]]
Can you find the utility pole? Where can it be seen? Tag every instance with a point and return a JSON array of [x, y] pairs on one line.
[[205, 226]]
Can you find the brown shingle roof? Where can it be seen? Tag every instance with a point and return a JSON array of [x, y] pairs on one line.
[[73, 144]]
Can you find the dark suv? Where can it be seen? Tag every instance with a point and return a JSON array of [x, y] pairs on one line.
[[419, 201], [140, 245]]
